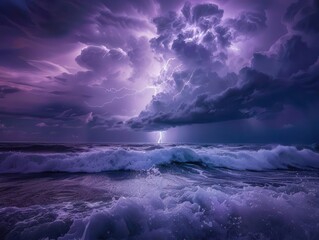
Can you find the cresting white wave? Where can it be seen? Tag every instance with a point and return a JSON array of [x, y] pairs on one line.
[[116, 159]]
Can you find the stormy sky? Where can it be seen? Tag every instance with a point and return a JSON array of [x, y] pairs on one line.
[[222, 71]]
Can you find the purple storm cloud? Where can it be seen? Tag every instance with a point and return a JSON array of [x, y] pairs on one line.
[[120, 70]]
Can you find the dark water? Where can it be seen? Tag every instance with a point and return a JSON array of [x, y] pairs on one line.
[[159, 192]]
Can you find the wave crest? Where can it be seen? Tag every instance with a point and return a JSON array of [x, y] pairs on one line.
[[116, 159]]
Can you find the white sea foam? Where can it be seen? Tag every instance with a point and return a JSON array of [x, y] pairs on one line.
[[113, 159], [190, 213], [161, 203]]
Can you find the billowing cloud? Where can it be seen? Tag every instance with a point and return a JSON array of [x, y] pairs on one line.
[[248, 23], [107, 63], [256, 95], [277, 78], [288, 56], [303, 16], [85, 69], [206, 15], [194, 35]]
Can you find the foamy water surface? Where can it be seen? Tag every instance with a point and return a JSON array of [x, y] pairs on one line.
[[159, 192]]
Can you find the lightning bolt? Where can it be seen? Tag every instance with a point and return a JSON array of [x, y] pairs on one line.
[[165, 67], [185, 84], [163, 75], [134, 92], [178, 67], [160, 137], [114, 90]]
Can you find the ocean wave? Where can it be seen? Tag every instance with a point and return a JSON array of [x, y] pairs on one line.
[[119, 158], [192, 213]]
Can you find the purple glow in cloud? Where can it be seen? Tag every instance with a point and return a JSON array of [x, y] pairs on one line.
[[114, 71]]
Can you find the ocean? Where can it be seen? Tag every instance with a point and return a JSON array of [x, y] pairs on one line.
[[147, 191]]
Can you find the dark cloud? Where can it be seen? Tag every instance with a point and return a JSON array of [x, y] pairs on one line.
[[11, 58], [166, 6], [167, 27], [195, 35], [105, 121], [186, 86], [248, 23], [107, 18], [288, 56], [224, 36], [58, 19], [36, 31], [44, 18], [303, 16], [248, 4], [206, 15], [92, 65], [309, 24], [186, 10], [201, 96], [145, 7], [113, 65], [190, 51], [256, 96], [293, 10], [64, 54], [60, 111], [5, 90], [101, 59]]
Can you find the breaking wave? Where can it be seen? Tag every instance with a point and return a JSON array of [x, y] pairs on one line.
[[119, 158]]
